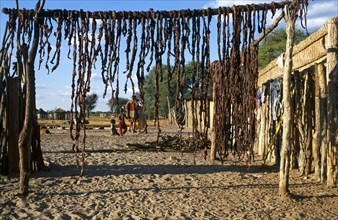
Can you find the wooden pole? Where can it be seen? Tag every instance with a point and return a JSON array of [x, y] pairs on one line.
[[309, 124], [303, 128], [267, 121], [316, 137], [262, 123], [331, 71], [213, 131], [144, 14], [269, 29], [25, 135], [287, 123], [323, 121], [169, 112], [297, 122]]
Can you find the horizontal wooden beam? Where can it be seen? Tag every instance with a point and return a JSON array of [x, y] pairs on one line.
[[308, 52], [146, 14], [269, 29]]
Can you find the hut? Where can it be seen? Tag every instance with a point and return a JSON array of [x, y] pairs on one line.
[[41, 114], [59, 114]]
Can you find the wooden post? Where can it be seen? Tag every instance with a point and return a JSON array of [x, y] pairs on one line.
[[309, 125], [169, 112], [262, 124], [287, 123], [268, 126], [213, 131], [332, 62], [323, 121], [13, 124], [297, 122], [303, 128], [25, 135], [316, 137], [267, 120]]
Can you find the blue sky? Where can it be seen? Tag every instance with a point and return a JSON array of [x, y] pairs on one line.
[[54, 90]]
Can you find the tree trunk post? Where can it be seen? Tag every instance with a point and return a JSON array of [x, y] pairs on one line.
[[262, 123], [287, 123], [332, 45], [297, 122], [302, 125], [25, 135], [213, 131], [267, 121], [323, 121], [309, 124], [316, 137]]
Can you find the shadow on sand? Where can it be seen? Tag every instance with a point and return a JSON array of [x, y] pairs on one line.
[[57, 170]]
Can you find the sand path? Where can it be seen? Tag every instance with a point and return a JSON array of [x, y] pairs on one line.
[[157, 185]]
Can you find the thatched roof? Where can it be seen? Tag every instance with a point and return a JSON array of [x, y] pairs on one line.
[[305, 54], [59, 110], [41, 111]]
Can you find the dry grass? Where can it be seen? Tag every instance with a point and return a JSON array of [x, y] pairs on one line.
[[97, 121]]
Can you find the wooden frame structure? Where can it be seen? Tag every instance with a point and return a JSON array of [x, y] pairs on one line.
[[315, 85]]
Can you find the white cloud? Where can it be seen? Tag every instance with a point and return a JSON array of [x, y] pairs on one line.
[[323, 8], [96, 77], [96, 90], [40, 97], [41, 86], [67, 91], [230, 3], [318, 11], [130, 90]]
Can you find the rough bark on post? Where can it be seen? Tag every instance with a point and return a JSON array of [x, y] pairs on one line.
[[309, 125], [213, 131], [287, 123], [316, 137], [297, 123], [267, 121], [26, 132], [302, 126], [332, 62], [323, 121], [262, 124]]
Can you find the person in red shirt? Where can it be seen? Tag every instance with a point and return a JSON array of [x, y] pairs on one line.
[[132, 113]]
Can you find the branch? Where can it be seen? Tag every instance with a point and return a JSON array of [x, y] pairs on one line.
[[146, 14], [41, 6], [269, 30]]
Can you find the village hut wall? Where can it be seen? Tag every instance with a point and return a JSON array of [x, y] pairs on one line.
[[200, 117], [308, 56]]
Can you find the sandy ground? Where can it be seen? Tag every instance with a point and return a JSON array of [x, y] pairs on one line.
[[121, 183]]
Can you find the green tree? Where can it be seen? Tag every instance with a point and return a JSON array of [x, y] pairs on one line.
[[90, 103], [112, 103], [274, 45], [167, 90]]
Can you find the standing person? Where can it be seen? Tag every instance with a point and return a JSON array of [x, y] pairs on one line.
[[132, 113], [122, 123], [142, 117]]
